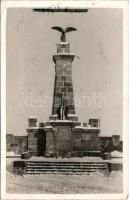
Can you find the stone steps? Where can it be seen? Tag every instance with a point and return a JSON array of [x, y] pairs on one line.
[[62, 167], [58, 173], [63, 163], [35, 167]]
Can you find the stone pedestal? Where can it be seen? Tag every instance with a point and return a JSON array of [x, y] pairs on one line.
[[59, 137]]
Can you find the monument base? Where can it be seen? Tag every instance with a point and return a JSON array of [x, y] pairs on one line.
[[64, 137], [59, 136]]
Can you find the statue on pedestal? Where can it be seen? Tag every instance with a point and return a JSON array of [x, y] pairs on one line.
[[62, 111], [64, 31]]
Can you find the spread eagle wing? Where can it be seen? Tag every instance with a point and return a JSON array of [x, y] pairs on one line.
[[58, 28], [69, 29]]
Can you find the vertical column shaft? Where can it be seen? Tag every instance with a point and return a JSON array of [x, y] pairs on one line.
[[63, 88]]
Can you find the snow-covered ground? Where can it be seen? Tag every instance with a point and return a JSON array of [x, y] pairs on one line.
[[94, 183], [116, 154], [72, 159]]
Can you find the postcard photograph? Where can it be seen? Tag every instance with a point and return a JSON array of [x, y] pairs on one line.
[[64, 89]]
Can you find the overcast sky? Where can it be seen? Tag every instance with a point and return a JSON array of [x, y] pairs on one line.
[[97, 73]]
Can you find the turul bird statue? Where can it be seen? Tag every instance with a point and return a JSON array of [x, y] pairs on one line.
[[64, 31]]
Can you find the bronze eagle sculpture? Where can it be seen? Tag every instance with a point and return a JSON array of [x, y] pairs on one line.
[[64, 31]]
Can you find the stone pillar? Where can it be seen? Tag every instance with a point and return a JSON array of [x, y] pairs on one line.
[[115, 140], [49, 141], [36, 137], [63, 88], [32, 131], [32, 122], [94, 122]]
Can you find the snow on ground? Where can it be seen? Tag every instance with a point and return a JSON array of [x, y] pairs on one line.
[[73, 159], [116, 154], [94, 183]]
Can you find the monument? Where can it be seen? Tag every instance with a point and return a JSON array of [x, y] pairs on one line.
[[63, 134]]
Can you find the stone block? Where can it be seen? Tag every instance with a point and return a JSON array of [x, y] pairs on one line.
[[64, 72], [19, 144], [49, 142], [78, 124], [77, 141], [72, 111], [32, 148], [59, 83], [92, 153], [58, 89], [58, 78], [59, 72], [68, 83], [48, 123], [70, 95], [41, 124], [115, 166], [76, 154], [53, 117], [32, 141], [70, 89], [63, 89], [57, 67], [89, 136], [94, 122], [89, 148], [69, 66], [69, 72], [115, 140], [106, 156], [10, 144], [77, 148], [63, 78], [72, 117], [69, 78], [70, 101], [32, 133], [32, 121], [71, 107], [26, 155], [91, 130], [105, 141], [34, 153], [63, 137], [63, 48], [85, 124]]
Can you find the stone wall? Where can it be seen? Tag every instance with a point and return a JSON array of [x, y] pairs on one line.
[[17, 144], [20, 144], [111, 143], [86, 139], [10, 142]]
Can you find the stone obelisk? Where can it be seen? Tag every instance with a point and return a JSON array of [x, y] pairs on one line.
[[63, 133], [63, 87]]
